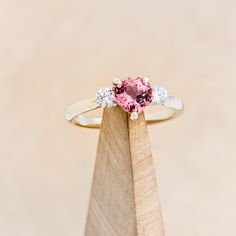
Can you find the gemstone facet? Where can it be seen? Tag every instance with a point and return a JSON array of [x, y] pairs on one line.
[[133, 94]]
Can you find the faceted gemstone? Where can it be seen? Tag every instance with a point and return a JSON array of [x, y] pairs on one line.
[[133, 94], [105, 97], [159, 95]]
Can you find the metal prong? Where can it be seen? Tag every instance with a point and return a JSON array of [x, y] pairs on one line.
[[134, 115], [146, 79], [116, 81]]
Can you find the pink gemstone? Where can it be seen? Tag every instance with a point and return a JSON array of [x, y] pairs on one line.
[[133, 94]]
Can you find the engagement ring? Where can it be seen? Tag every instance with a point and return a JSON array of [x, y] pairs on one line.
[[130, 94]]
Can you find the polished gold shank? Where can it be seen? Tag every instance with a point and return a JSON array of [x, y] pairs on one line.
[[76, 114]]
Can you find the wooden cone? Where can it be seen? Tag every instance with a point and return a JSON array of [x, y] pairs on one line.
[[124, 199]]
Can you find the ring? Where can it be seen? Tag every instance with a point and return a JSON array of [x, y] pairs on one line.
[[132, 95]]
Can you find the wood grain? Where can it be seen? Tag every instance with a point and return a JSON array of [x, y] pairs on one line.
[[124, 199]]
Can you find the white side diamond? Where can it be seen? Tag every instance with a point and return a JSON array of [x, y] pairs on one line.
[[159, 95], [105, 97]]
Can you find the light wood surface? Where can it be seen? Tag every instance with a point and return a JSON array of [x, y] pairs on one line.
[[124, 199]]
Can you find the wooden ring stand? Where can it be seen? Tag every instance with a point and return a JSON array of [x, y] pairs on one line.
[[124, 199]]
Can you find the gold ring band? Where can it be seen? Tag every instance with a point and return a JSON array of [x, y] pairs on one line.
[[76, 113]]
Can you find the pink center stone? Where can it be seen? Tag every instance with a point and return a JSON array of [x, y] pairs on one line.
[[133, 94]]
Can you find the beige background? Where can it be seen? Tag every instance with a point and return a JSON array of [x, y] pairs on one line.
[[53, 53]]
